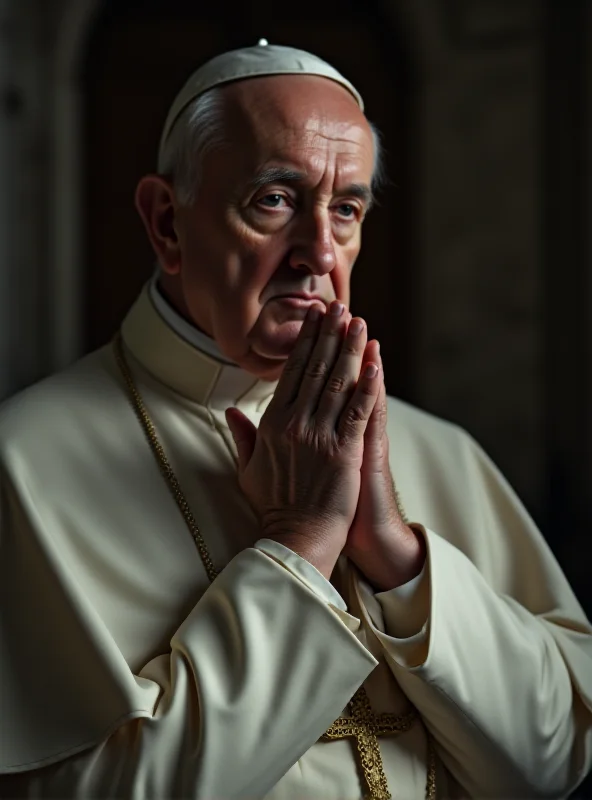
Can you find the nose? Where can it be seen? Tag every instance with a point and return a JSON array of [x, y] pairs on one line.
[[314, 248]]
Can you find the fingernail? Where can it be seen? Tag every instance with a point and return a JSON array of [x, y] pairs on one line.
[[314, 313], [371, 371], [337, 309], [356, 327]]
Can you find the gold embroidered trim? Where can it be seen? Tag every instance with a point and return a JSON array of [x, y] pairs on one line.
[[363, 725]]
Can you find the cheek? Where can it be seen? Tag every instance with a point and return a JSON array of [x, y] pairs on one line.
[[255, 266], [341, 275], [240, 291]]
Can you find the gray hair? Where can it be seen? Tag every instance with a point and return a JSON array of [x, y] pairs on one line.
[[200, 129]]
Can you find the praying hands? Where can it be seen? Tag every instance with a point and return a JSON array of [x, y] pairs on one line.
[[316, 471]]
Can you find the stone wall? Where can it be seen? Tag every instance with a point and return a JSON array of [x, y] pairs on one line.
[[479, 226], [24, 164]]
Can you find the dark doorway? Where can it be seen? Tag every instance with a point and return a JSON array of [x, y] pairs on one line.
[[138, 57]]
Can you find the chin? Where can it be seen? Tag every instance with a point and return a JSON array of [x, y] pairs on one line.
[[277, 342], [264, 367], [268, 351]]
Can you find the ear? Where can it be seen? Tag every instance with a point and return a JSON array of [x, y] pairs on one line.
[[155, 203]]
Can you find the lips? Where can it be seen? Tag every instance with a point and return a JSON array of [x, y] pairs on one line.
[[300, 299]]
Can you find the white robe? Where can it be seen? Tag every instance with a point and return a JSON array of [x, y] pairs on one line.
[[125, 674]]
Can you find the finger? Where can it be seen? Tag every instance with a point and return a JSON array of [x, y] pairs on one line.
[[377, 423], [344, 375], [372, 352], [356, 414], [322, 359], [244, 434], [293, 372]]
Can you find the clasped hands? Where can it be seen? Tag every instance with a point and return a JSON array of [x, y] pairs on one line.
[[316, 471]]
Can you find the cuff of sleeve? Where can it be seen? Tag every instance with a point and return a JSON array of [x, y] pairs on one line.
[[405, 632], [406, 608], [303, 570]]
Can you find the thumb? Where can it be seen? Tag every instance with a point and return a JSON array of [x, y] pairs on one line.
[[377, 422], [244, 433], [376, 427]]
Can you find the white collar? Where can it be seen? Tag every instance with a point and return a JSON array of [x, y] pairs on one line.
[[183, 328], [185, 368]]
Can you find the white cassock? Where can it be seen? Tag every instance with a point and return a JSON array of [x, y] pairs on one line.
[[124, 673]]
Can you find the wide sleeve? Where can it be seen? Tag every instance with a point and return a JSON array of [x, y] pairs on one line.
[[501, 669], [258, 670]]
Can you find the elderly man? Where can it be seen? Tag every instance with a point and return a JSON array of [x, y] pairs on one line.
[[210, 587]]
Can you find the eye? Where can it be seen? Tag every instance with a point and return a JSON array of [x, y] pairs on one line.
[[347, 211], [271, 200]]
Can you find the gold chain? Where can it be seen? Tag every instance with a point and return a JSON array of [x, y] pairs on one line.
[[363, 725], [162, 460]]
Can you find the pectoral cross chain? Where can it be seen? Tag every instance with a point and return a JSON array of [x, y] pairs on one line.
[[362, 725], [365, 727]]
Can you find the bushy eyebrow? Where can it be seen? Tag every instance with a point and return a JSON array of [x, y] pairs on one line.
[[276, 175], [287, 175], [361, 191]]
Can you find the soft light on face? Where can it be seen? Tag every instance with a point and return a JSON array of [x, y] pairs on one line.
[[277, 221]]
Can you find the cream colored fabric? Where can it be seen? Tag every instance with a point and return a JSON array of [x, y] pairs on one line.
[[125, 674], [180, 325], [303, 570]]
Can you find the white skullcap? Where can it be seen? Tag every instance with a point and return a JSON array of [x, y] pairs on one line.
[[250, 62]]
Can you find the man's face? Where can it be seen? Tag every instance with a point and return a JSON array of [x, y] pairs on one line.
[[278, 216]]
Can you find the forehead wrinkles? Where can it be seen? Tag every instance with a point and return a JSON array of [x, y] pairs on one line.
[[321, 132], [331, 156], [344, 137], [313, 140]]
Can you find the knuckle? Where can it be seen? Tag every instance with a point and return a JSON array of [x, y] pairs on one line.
[[367, 389], [336, 384], [355, 414], [350, 348], [317, 368]]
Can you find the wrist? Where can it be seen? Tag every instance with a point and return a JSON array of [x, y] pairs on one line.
[[390, 566], [317, 551]]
